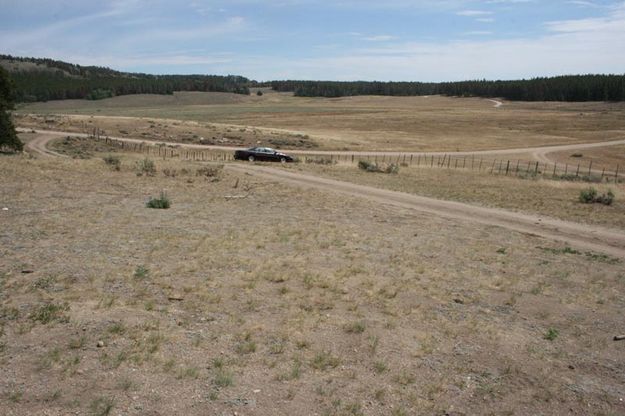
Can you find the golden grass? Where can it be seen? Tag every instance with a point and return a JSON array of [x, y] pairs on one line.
[[603, 157], [370, 123]]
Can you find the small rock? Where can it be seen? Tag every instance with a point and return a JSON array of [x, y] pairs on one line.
[[26, 271], [100, 344], [175, 296], [256, 391], [5, 209], [459, 301]]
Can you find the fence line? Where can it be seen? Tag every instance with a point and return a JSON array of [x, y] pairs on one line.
[[505, 167]]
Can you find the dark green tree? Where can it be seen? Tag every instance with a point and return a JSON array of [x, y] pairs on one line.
[[8, 136]]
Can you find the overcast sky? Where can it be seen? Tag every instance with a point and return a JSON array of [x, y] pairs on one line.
[[412, 40]]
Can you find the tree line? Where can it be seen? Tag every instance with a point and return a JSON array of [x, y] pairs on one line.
[[560, 88], [8, 136], [47, 79]]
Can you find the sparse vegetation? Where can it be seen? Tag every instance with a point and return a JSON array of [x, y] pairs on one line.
[[50, 312], [552, 334], [162, 202], [141, 272], [324, 360], [223, 379], [357, 327], [390, 168], [102, 406], [145, 167], [113, 161]]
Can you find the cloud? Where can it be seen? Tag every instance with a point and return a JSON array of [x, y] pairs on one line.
[[474, 13], [379, 38]]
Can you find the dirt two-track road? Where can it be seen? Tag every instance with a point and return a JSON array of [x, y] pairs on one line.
[[581, 236]]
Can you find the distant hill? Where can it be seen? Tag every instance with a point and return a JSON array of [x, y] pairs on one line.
[[40, 79]]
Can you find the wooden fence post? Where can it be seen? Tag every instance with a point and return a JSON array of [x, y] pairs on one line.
[[589, 168], [616, 174], [577, 173], [507, 168], [536, 169]]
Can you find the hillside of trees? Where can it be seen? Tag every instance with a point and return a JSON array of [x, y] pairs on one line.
[[561, 88], [46, 79], [38, 79]]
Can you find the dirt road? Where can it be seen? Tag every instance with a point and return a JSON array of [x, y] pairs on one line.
[[539, 153], [39, 144], [580, 236]]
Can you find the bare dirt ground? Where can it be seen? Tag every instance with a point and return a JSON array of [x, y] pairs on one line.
[[266, 299], [355, 123]]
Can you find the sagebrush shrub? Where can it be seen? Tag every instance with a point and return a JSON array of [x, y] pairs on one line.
[[113, 161], [146, 167], [590, 195], [162, 202]]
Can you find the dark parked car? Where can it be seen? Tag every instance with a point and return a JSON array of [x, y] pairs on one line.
[[265, 154]]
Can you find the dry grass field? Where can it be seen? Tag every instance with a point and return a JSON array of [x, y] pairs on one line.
[[355, 123], [543, 196], [250, 297], [602, 157]]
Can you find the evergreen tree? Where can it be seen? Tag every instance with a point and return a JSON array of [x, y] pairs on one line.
[[8, 136]]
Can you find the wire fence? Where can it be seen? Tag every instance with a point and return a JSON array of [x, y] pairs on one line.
[[506, 167]]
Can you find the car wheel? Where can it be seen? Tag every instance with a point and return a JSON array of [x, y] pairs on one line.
[[283, 160], [250, 158]]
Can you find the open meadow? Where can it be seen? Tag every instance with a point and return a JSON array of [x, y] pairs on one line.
[[368, 123], [253, 294]]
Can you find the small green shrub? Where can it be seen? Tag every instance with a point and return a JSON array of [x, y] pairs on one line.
[[113, 161], [50, 312], [321, 161], [367, 166], [162, 202], [606, 199], [324, 360], [391, 168], [223, 379], [102, 406], [209, 171], [552, 334], [590, 196], [355, 327], [141, 272], [146, 167]]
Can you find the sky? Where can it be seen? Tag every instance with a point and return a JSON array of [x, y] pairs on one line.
[[385, 40]]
